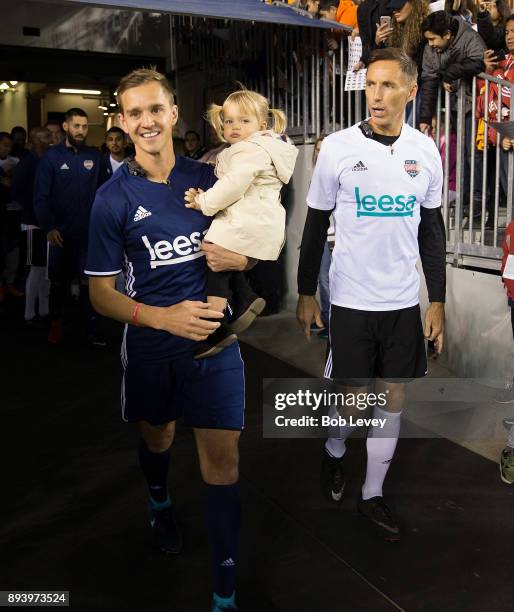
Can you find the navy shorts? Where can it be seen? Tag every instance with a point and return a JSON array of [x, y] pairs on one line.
[[375, 344], [205, 393], [67, 263]]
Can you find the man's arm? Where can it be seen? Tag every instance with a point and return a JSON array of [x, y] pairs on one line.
[[186, 319], [430, 82], [432, 250], [311, 252], [220, 259]]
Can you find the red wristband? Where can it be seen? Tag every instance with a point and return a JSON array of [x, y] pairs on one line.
[[135, 313]]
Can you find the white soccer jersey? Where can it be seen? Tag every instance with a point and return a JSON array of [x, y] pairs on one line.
[[377, 192]]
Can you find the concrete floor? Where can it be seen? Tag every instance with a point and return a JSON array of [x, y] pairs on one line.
[[73, 512]]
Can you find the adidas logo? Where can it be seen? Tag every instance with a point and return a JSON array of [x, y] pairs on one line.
[[65, 167], [228, 563], [141, 213], [359, 167]]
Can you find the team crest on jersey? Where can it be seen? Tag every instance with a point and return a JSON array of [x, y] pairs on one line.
[[88, 164], [412, 168]]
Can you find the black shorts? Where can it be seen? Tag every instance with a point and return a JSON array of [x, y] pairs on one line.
[[67, 263], [35, 247], [375, 344]]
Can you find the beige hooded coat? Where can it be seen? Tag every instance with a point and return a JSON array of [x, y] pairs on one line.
[[250, 219]]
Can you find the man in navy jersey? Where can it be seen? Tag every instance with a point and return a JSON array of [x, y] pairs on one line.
[[139, 223]]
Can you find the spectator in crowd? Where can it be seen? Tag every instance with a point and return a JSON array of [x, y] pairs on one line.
[[193, 145], [311, 6], [368, 19], [327, 9], [406, 34], [19, 142], [503, 69], [115, 144], [56, 132], [11, 221], [347, 13], [34, 240], [454, 52], [66, 181], [462, 9], [491, 20], [507, 455]]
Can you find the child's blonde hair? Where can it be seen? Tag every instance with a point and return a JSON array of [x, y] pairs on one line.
[[249, 102]]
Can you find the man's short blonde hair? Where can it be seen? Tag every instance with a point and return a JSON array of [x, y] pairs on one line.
[[142, 76]]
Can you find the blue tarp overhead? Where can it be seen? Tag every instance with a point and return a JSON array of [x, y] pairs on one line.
[[245, 10]]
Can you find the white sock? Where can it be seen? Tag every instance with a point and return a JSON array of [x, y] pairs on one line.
[[510, 439], [43, 291], [381, 444], [335, 444]]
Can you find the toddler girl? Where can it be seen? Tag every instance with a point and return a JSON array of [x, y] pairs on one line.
[[249, 218]]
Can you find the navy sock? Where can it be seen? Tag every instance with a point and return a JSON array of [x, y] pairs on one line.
[[223, 524], [155, 467]]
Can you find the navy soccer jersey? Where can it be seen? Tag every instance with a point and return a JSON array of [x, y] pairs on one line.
[[144, 229]]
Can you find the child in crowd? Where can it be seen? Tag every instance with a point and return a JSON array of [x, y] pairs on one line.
[[507, 456], [249, 218]]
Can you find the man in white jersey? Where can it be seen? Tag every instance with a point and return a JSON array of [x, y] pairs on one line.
[[382, 181]]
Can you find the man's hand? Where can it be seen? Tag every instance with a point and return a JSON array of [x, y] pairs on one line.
[[188, 320], [490, 61], [190, 198], [54, 237], [307, 312], [434, 325], [507, 144], [448, 87], [426, 128], [220, 259]]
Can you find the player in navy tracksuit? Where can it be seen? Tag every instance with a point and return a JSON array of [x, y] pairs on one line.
[[65, 187], [34, 242], [115, 145], [139, 223]]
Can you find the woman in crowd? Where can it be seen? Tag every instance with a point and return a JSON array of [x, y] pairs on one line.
[[405, 33], [491, 20]]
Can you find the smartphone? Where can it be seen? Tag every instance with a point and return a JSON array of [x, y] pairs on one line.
[[500, 55], [385, 20]]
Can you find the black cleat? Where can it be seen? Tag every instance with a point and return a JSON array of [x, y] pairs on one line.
[[216, 342], [166, 534], [378, 512], [333, 480]]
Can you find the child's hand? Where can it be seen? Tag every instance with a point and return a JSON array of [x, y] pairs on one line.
[[190, 198]]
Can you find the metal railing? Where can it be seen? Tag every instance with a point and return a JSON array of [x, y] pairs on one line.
[[295, 69]]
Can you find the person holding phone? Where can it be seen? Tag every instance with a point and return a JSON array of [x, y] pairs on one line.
[[491, 20]]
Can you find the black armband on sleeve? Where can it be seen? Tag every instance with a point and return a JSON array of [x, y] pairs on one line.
[[311, 249], [432, 250]]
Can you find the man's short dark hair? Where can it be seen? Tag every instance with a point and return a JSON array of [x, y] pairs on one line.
[[74, 112], [509, 18], [439, 23], [4, 135], [325, 5], [115, 130], [392, 54], [18, 129], [192, 132]]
